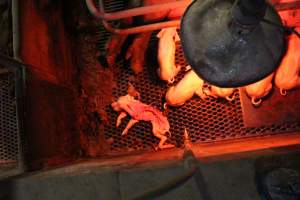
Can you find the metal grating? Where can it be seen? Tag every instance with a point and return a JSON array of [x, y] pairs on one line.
[[110, 6], [9, 130], [206, 121]]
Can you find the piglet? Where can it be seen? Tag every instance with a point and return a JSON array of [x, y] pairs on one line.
[[166, 54], [190, 84], [287, 75], [260, 89], [136, 53], [140, 111]]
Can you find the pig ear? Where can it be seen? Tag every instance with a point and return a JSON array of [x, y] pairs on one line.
[[160, 33], [177, 38]]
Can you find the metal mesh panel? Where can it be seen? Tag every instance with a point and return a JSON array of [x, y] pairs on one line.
[[9, 133], [206, 120], [109, 6]]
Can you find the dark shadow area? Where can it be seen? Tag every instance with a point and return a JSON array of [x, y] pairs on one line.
[[278, 177], [7, 190]]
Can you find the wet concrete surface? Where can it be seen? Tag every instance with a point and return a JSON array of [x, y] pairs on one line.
[[220, 180]]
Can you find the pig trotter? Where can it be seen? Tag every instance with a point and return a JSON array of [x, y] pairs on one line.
[[162, 144], [129, 53], [129, 125], [111, 60], [113, 48], [121, 116], [256, 102], [136, 63], [163, 140], [137, 50]]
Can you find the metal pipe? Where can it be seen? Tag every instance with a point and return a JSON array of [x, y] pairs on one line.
[[140, 29], [15, 29], [101, 14]]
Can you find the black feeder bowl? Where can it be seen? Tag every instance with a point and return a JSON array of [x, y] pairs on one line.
[[229, 43]]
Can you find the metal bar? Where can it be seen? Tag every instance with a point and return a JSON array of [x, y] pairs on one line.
[[101, 14], [15, 29], [140, 29]]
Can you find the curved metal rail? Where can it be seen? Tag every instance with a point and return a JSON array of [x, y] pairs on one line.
[[105, 17]]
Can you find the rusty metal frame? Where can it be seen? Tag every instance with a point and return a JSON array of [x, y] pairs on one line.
[[105, 17]]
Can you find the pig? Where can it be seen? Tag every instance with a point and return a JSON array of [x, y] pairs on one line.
[[190, 84], [287, 75], [171, 14], [218, 92], [260, 89], [140, 111], [113, 48], [166, 54], [137, 50], [116, 42]]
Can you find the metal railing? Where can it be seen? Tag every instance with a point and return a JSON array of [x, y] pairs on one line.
[[105, 17]]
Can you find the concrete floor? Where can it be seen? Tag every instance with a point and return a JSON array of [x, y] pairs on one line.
[[223, 180]]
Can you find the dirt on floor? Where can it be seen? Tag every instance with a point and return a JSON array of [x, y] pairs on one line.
[[95, 93], [95, 86]]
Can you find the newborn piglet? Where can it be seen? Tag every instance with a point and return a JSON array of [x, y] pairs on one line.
[[184, 90], [166, 54], [139, 111]]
